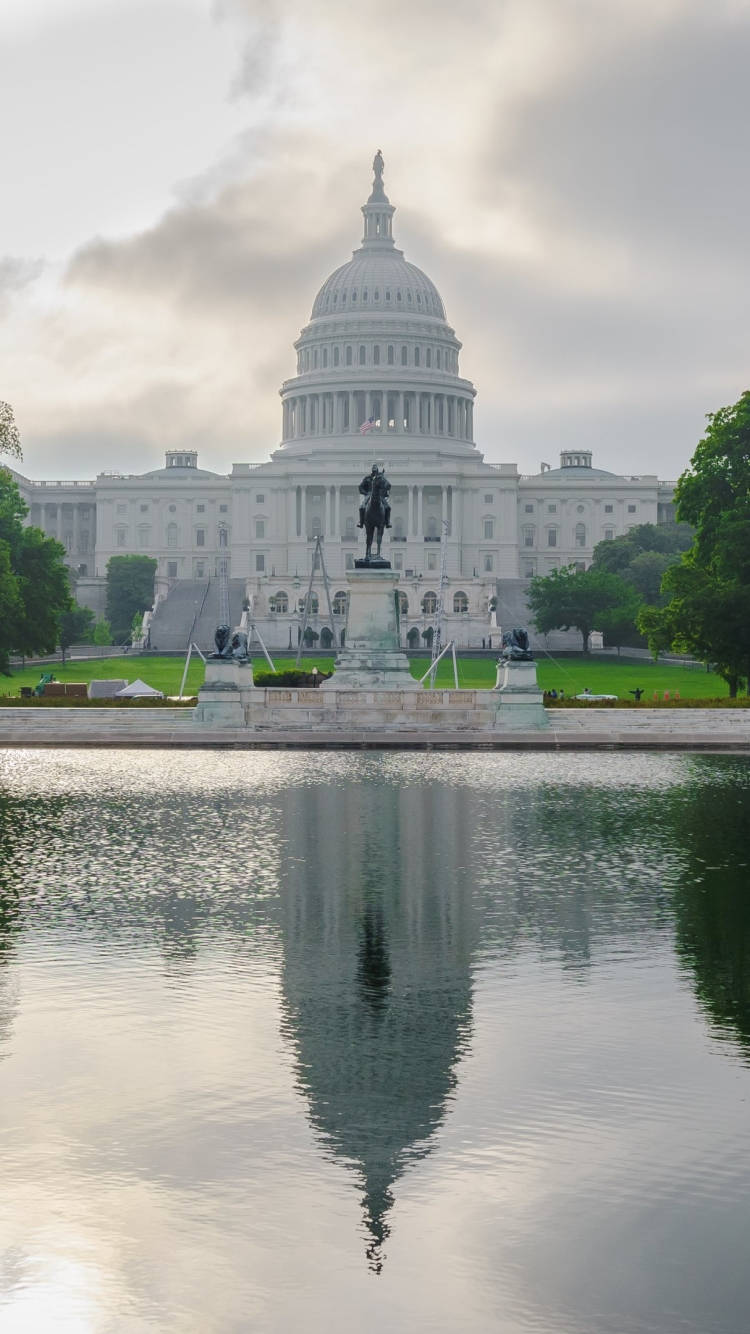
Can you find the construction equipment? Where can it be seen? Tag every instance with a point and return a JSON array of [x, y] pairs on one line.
[[318, 559]]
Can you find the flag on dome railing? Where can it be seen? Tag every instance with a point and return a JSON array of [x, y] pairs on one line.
[[367, 426]]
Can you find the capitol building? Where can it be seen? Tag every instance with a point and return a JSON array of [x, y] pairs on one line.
[[378, 378]]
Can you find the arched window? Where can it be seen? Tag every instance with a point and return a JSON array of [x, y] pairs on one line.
[[335, 356], [460, 602], [307, 360], [428, 357], [223, 536], [404, 356], [326, 638], [144, 535], [173, 535], [339, 603], [551, 537], [376, 355], [429, 604], [390, 354], [315, 358], [416, 356], [529, 536], [316, 527], [580, 534], [325, 356], [362, 354], [349, 356], [412, 638], [489, 529], [279, 603], [314, 604], [121, 535], [403, 603], [437, 359]]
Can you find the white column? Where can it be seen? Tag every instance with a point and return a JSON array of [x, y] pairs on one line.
[[291, 512], [420, 492], [303, 521], [399, 413], [337, 510], [368, 405], [444, 510], [352, 411], [327, 513], [470, 422]]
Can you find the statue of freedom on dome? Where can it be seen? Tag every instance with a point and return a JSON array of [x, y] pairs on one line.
[[377, 166]]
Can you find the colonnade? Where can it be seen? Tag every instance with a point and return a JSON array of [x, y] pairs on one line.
[[398, 411], [76, 531], [305, 513]]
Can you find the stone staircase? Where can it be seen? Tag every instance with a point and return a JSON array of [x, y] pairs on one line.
[[191, 612], [513, 610]]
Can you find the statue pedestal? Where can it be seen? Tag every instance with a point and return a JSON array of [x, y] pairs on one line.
[[220, 702], [372, 658], [521, 701]]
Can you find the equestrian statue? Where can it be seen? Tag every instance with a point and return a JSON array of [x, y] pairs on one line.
[[374, 512]]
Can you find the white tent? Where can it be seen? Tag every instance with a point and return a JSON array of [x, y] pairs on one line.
[[139, 690]]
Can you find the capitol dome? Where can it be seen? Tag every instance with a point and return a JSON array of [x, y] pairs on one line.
[[378, 352]]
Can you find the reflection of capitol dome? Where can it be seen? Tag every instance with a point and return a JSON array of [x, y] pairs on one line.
[[377, 982], [378, 348]]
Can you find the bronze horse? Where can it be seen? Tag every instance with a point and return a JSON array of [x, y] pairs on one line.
[[375, 513]]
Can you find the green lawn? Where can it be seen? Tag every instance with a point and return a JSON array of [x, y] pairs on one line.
[[571, 673]]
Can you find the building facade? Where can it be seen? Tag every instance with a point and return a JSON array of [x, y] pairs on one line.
[[378, 378]]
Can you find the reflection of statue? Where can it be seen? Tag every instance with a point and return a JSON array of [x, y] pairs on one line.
[[375, 510], [230, 647], [516, 647]]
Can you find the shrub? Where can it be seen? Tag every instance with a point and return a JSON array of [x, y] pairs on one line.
[[295, 678]]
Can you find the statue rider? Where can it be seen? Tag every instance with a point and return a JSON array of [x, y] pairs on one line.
[[365, 489]]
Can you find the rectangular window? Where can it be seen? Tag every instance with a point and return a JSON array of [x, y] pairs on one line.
[[489, 500], [552, 509], [223, 509], [431, 560], [200, 537], [121, 537], [489, 563], [609, 509], [260, 528], [552, 537], [529, 509], [200, 567], [631, 509], [349, 561], [489, 530], [200, 509], [398, 561], [609, 534], [122, 509], [171, 569], [260, 499], [144, 509], [260, 563]]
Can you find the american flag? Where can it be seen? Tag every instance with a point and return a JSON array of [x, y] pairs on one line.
[[367, 426]]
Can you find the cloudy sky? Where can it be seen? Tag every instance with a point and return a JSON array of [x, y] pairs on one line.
[[181, 175]]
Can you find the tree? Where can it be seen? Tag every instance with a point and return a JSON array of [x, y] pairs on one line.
[[310, 636], [580, 598], [130, 589], [709, 609], [34, 588], [642, 556], [102, 633], [10, 440], [76, 627]]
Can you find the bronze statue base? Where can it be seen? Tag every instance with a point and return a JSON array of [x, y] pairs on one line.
[[373, 563]]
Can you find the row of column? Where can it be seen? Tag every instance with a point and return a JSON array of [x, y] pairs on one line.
[[399, 412], [57, 526], [331, 524]]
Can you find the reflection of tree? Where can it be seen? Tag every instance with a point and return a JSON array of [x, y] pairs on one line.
[[378, 930], [10, 918], [712, 903]]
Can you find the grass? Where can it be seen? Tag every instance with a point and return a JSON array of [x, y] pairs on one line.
[[571, 673]]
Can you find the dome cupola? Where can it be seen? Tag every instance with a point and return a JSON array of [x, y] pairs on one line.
[[378, 351]]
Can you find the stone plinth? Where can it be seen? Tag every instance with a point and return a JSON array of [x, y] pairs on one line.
[[372, 658], [521, 703], [220, 698]]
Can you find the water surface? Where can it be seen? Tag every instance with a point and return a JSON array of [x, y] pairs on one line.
[[347, 1041]]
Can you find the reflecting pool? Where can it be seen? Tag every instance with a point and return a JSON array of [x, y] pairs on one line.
[[374, 1042]]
